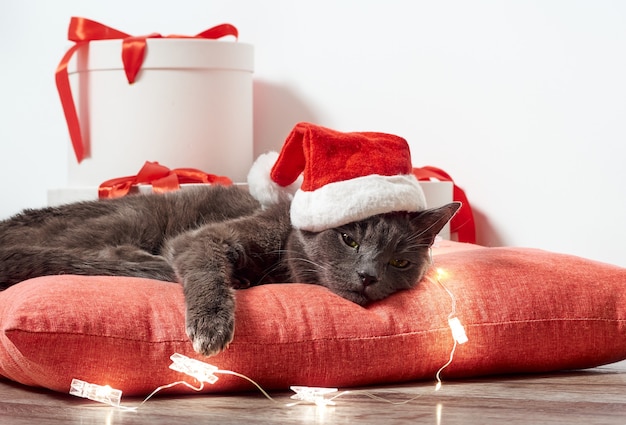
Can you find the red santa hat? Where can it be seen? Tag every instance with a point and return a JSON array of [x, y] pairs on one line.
[[335, 178]]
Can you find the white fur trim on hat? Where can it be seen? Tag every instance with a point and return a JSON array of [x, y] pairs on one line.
[[262, 187], [339, 203]]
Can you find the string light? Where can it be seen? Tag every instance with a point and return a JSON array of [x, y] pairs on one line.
[[458, 331], [203, 372], [206, 373], [102, 393], [314, 395]]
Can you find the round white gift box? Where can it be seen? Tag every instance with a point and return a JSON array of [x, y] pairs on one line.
[[189, 107]]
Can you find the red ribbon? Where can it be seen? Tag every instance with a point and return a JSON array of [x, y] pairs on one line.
[[82, 31], [160, 177], [463, 222]]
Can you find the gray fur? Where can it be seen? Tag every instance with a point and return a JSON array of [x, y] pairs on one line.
[[214, 240]]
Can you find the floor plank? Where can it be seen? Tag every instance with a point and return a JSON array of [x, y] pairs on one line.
[[581, 397]]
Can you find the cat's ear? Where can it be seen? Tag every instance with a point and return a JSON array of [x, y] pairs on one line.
[[430, 222]]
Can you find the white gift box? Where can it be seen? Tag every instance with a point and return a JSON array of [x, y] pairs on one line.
[[189, 107]]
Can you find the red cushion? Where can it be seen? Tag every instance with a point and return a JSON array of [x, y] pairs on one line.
[[524, 310]]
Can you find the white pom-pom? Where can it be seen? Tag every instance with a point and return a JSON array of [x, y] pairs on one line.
[[262, 187]]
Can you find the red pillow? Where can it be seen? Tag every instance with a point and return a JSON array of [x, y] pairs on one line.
[[524, 310]]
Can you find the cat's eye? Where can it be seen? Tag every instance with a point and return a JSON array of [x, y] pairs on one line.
[[399, 264], [347, 239]]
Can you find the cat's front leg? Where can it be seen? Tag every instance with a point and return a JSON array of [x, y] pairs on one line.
[[210, 316], [202, 264]]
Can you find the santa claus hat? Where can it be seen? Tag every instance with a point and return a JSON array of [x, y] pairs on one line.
[[335, 178]]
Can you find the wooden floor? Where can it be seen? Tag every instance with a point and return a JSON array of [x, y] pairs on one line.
[[594, 396]]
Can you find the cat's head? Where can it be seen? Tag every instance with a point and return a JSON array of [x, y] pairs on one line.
[[370, 259]]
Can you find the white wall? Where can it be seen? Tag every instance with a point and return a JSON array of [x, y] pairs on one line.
[[522, 102]]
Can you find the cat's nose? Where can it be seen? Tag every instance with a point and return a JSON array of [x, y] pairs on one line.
[[366, 278]]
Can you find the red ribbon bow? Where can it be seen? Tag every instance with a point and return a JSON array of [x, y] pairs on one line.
[[161, 178], [82, 31], [463, 222]]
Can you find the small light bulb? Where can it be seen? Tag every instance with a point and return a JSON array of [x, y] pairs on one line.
[[102, 393], [441, 273], [458, 331]]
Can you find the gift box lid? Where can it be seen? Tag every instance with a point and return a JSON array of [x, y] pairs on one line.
[[168, 53]]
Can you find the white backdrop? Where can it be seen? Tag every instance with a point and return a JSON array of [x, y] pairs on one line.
[[522, 102]]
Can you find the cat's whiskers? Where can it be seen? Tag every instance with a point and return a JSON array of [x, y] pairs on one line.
[[306, 260], [313, 263], [279, 264]]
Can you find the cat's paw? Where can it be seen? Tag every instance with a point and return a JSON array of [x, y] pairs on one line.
[[236, 254], [210, 335]]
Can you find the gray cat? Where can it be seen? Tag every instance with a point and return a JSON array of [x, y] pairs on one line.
[[216, 239]]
